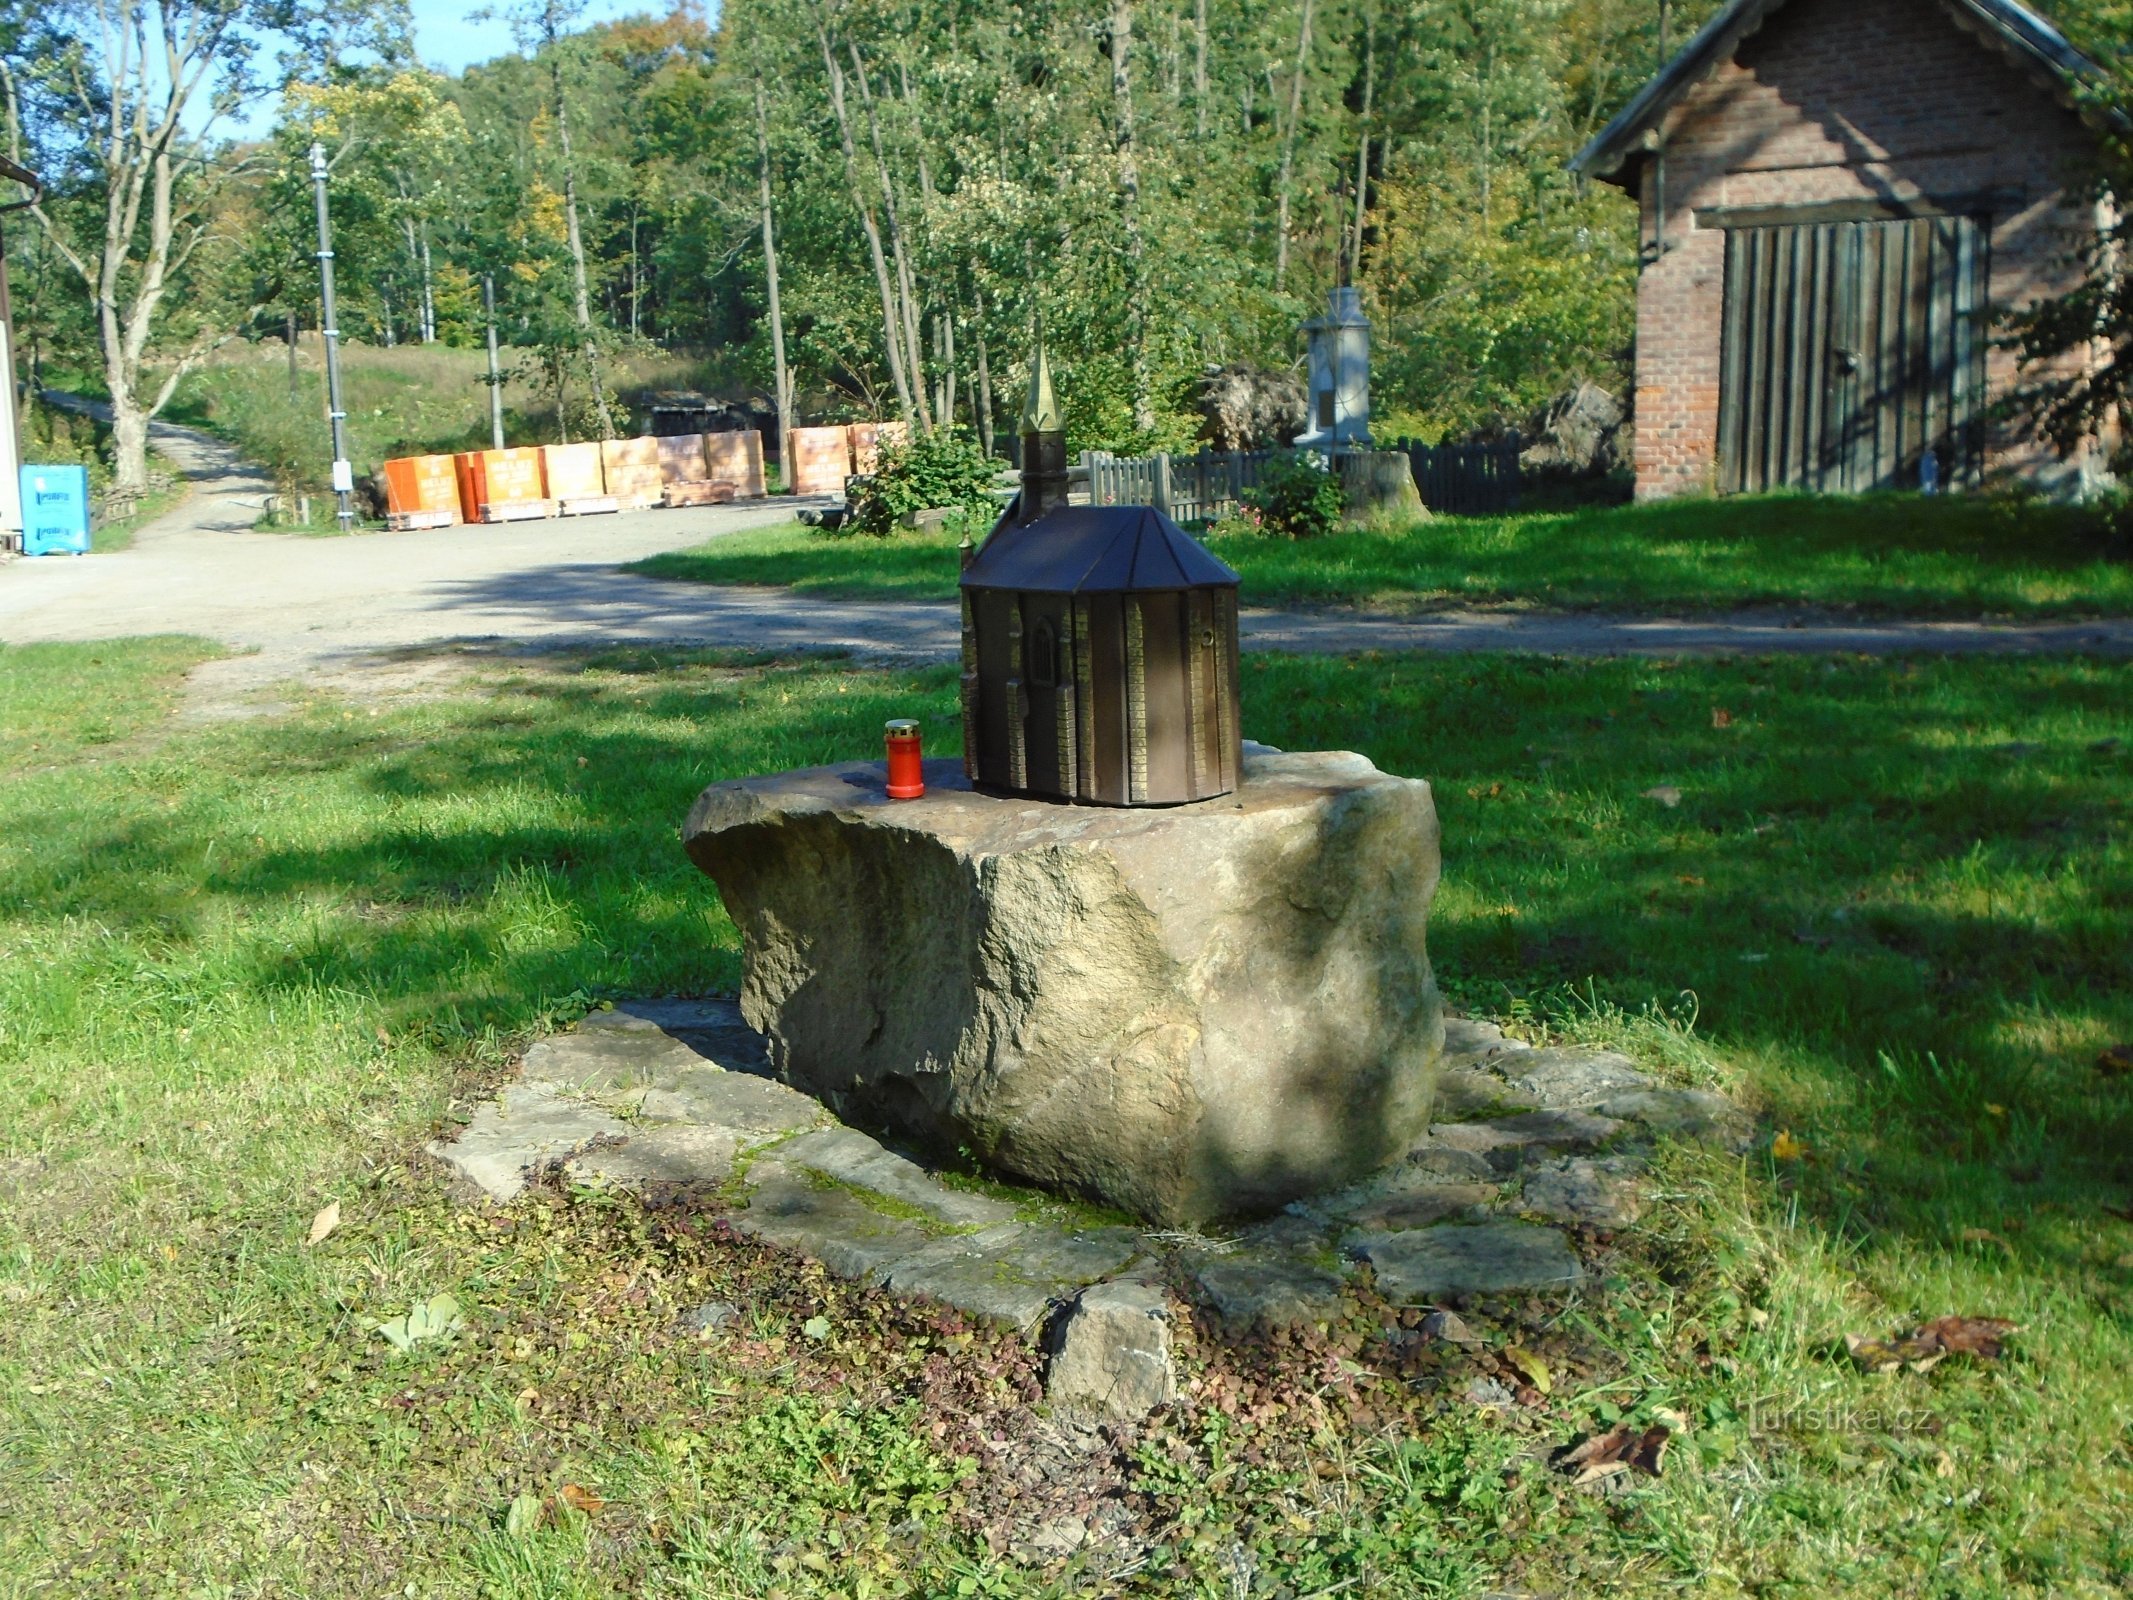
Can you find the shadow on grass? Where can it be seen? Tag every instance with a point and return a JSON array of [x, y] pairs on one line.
[[1900, 892]]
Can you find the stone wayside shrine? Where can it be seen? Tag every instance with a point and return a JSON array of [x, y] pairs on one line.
[[1118, 951]]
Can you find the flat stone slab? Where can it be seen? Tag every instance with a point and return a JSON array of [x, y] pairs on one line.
[[852, 1157], [695, 1157], [1248, 1291], [1014, 1273], [704, 1093], [1423, 1205], [1189, 1012], [1507, 1141], [1481, 1258], [790, 1207], [1572, 1077], [1693, 1114], [525, 1128], [1443, 1221], [1601, 1194]]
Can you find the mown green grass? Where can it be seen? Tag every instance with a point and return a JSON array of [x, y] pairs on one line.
[[251, 968], [1900, 555]]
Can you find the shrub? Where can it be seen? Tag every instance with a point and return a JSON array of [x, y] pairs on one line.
[[1298, 495], [922, 473]]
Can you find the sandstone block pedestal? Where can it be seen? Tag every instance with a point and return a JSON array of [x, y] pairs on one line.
[[1207, 1010]]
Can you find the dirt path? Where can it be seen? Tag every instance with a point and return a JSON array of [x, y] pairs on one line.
[[341, 608]]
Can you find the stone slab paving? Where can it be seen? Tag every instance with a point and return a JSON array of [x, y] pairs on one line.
[[666, 1095]]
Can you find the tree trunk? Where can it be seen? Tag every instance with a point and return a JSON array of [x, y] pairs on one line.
[[1288, 149], [1199, 69], [783, 376], [984, 382], [582, 299], [906, 285], [891, 323], [1129, 200], [1362, 159], [429, 289]]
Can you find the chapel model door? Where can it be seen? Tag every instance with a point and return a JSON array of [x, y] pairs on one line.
[[1849, 350]]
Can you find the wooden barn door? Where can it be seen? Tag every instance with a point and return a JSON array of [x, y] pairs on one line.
[[1849, 349]]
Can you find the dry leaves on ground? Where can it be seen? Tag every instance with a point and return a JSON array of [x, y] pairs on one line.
[[328, 1218], [1786, 1148], [1620, 1449], [1931, 1343]]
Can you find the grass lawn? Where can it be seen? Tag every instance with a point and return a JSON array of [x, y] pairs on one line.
[[1882, 554], [251, 967]]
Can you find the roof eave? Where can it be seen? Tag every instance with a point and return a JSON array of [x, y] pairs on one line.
[[1611, 154]]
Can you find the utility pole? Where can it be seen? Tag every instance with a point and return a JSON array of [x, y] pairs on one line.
[[496, 381], [343, 473]]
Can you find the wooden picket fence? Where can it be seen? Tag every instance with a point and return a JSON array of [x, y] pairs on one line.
[[1459, 480]]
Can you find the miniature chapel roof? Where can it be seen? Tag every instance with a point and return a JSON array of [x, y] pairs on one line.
[[1094, 550], [2016, 30]]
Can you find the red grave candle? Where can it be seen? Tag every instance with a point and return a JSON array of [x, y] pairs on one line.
[[907, 774]]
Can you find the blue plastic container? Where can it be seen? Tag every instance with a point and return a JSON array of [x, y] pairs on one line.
[[55, 511]]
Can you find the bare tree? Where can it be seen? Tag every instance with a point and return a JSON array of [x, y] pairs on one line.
[[130, 95], [1288, 148], [891, 319], [783, 374], [541, 26]]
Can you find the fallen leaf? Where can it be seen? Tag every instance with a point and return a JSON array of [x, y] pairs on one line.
[[524, 1516], [527, 1398], [2116, 1061], [1666, 794], [1622, 1448], [581, 1499], [1930, 1343], [1534, 1369], [816, 1328], [1448, 1326], [1721, 717], [328, 1218], [1785, 1147]]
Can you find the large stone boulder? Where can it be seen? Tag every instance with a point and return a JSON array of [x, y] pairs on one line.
[[1200, 1011]]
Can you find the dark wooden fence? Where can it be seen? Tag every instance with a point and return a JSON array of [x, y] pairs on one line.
[[1459, 480], [1465, 480]]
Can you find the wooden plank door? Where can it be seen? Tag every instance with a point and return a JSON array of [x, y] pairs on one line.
[[1848, 349]]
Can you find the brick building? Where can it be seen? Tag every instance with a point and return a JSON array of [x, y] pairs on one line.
[[1837, 197]]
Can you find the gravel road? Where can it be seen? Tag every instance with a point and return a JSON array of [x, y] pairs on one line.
[[320, 607]]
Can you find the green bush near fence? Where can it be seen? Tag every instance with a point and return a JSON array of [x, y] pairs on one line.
[[1297, 495]]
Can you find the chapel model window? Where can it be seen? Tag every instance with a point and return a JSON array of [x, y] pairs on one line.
[[1099, 644]]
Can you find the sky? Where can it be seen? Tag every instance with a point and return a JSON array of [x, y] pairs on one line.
[[448, 42]]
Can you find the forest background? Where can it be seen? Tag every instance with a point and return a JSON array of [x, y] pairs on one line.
[[851, 207]]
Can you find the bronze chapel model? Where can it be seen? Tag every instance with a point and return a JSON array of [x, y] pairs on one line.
[[1099, 644]]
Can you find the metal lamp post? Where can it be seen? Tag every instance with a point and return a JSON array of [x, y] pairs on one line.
[[343, 473]]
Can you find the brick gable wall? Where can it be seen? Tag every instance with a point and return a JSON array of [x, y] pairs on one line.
[[1848, 100]]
